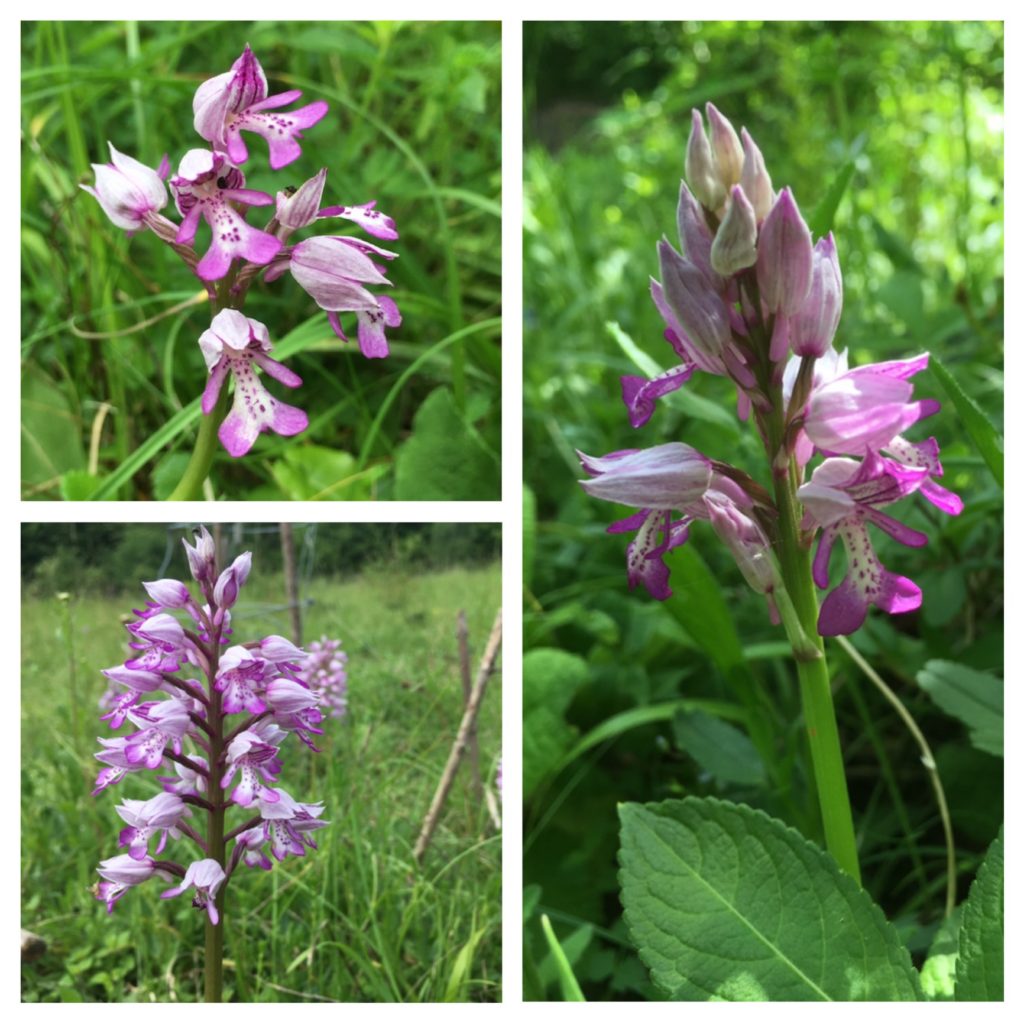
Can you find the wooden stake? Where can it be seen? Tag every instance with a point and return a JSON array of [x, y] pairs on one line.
[[459, 747], [462, 632]]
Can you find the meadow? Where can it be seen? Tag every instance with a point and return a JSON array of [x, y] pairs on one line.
[[890, 134], [111, 369], [355, 920]]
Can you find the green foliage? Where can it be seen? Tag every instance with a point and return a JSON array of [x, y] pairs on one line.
[[890, 134], [979, 967], [725, 903], [357, 919], [976, 698], [110, 324]]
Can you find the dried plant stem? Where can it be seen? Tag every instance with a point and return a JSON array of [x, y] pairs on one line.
[[927, 759], [461, 740], [462, 633]]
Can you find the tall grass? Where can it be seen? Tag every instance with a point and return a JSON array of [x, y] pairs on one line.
[[355, 920], [110, 364]]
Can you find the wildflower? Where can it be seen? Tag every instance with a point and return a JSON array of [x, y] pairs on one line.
[[120, 874], [238, 677], [813, 326], [162, 723], [201, 556], [301, 207], [323, 669], [372, 221], [287, 697], [255, 759], [231, 580], [866, 407], [206, 186], [701, 312], [842, 497], [129, 192], [168, 593], [232, 344], [144, 817], [784, 257], [206, 876], [237, 101], [333, 271]]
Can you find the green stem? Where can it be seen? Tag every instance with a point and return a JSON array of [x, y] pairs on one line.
[[214, 972], [198, 469], [812, 667]]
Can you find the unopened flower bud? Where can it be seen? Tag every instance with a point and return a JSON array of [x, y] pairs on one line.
[[735, 245], [695, 236], [700, 311], [128, 190], [701, 172], [727, 148], [813, 326], [754, 179], [230, 581], [202, 557], [784, 257]]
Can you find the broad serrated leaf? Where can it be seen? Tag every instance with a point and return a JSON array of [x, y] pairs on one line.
[[983, 433], [979, 967], [719, 748], [725, 903], [976, 698], [550, 680], [446, 458]]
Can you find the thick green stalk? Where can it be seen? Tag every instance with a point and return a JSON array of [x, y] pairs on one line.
[[198, 469], [812, 669], [214, 972]]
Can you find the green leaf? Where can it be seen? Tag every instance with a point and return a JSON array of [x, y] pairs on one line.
[[167, 472], [314, 473], [78, 485], [719, 748], [938, 973], [51, 442], [445, 459], [979, 968], [550, 680], [529, 534], [725, 903], [558, 963], [976, 698], [824, 215], [983, 433]]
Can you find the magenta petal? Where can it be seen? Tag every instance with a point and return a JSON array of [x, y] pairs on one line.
[[332, 318], [898, 594], [282, 99], [187, 229], [215, 264], [288, 420], [213, 385], [821, 556], [843, 611], [249, 196], [238, 434], [277, 370]]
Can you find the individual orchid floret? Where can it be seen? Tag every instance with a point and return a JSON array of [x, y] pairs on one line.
[[666, 476], [727, 147], [701, 312], [237, 101], [137, 679], [161, 643], [239, 676], [206, 876], [287, 825], [754, 179], [145, 817], [202, 556], [280, 650], [161, 724], [701, 171], [371, 220], [735, 245], [688, 353], [119, 874], [186, 781], [842, 497], [865, 408], [231, 580], [114, 757], [324, 670], [206, 186], [333, 270], [639, 394], [784, 257], [304, 723], [748, 543], [287, 697], [256, 760], [298, 208], [169, 593], [249, 848], [813, 326], [232, 344], [129, 192]]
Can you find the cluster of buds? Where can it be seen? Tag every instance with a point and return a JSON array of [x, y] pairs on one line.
[[336, 270], [185, 680], [325, 670], [753, 298]]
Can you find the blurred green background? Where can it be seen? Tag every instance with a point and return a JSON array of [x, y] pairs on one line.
[[356, 920], [110, 364], [891, 133]]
